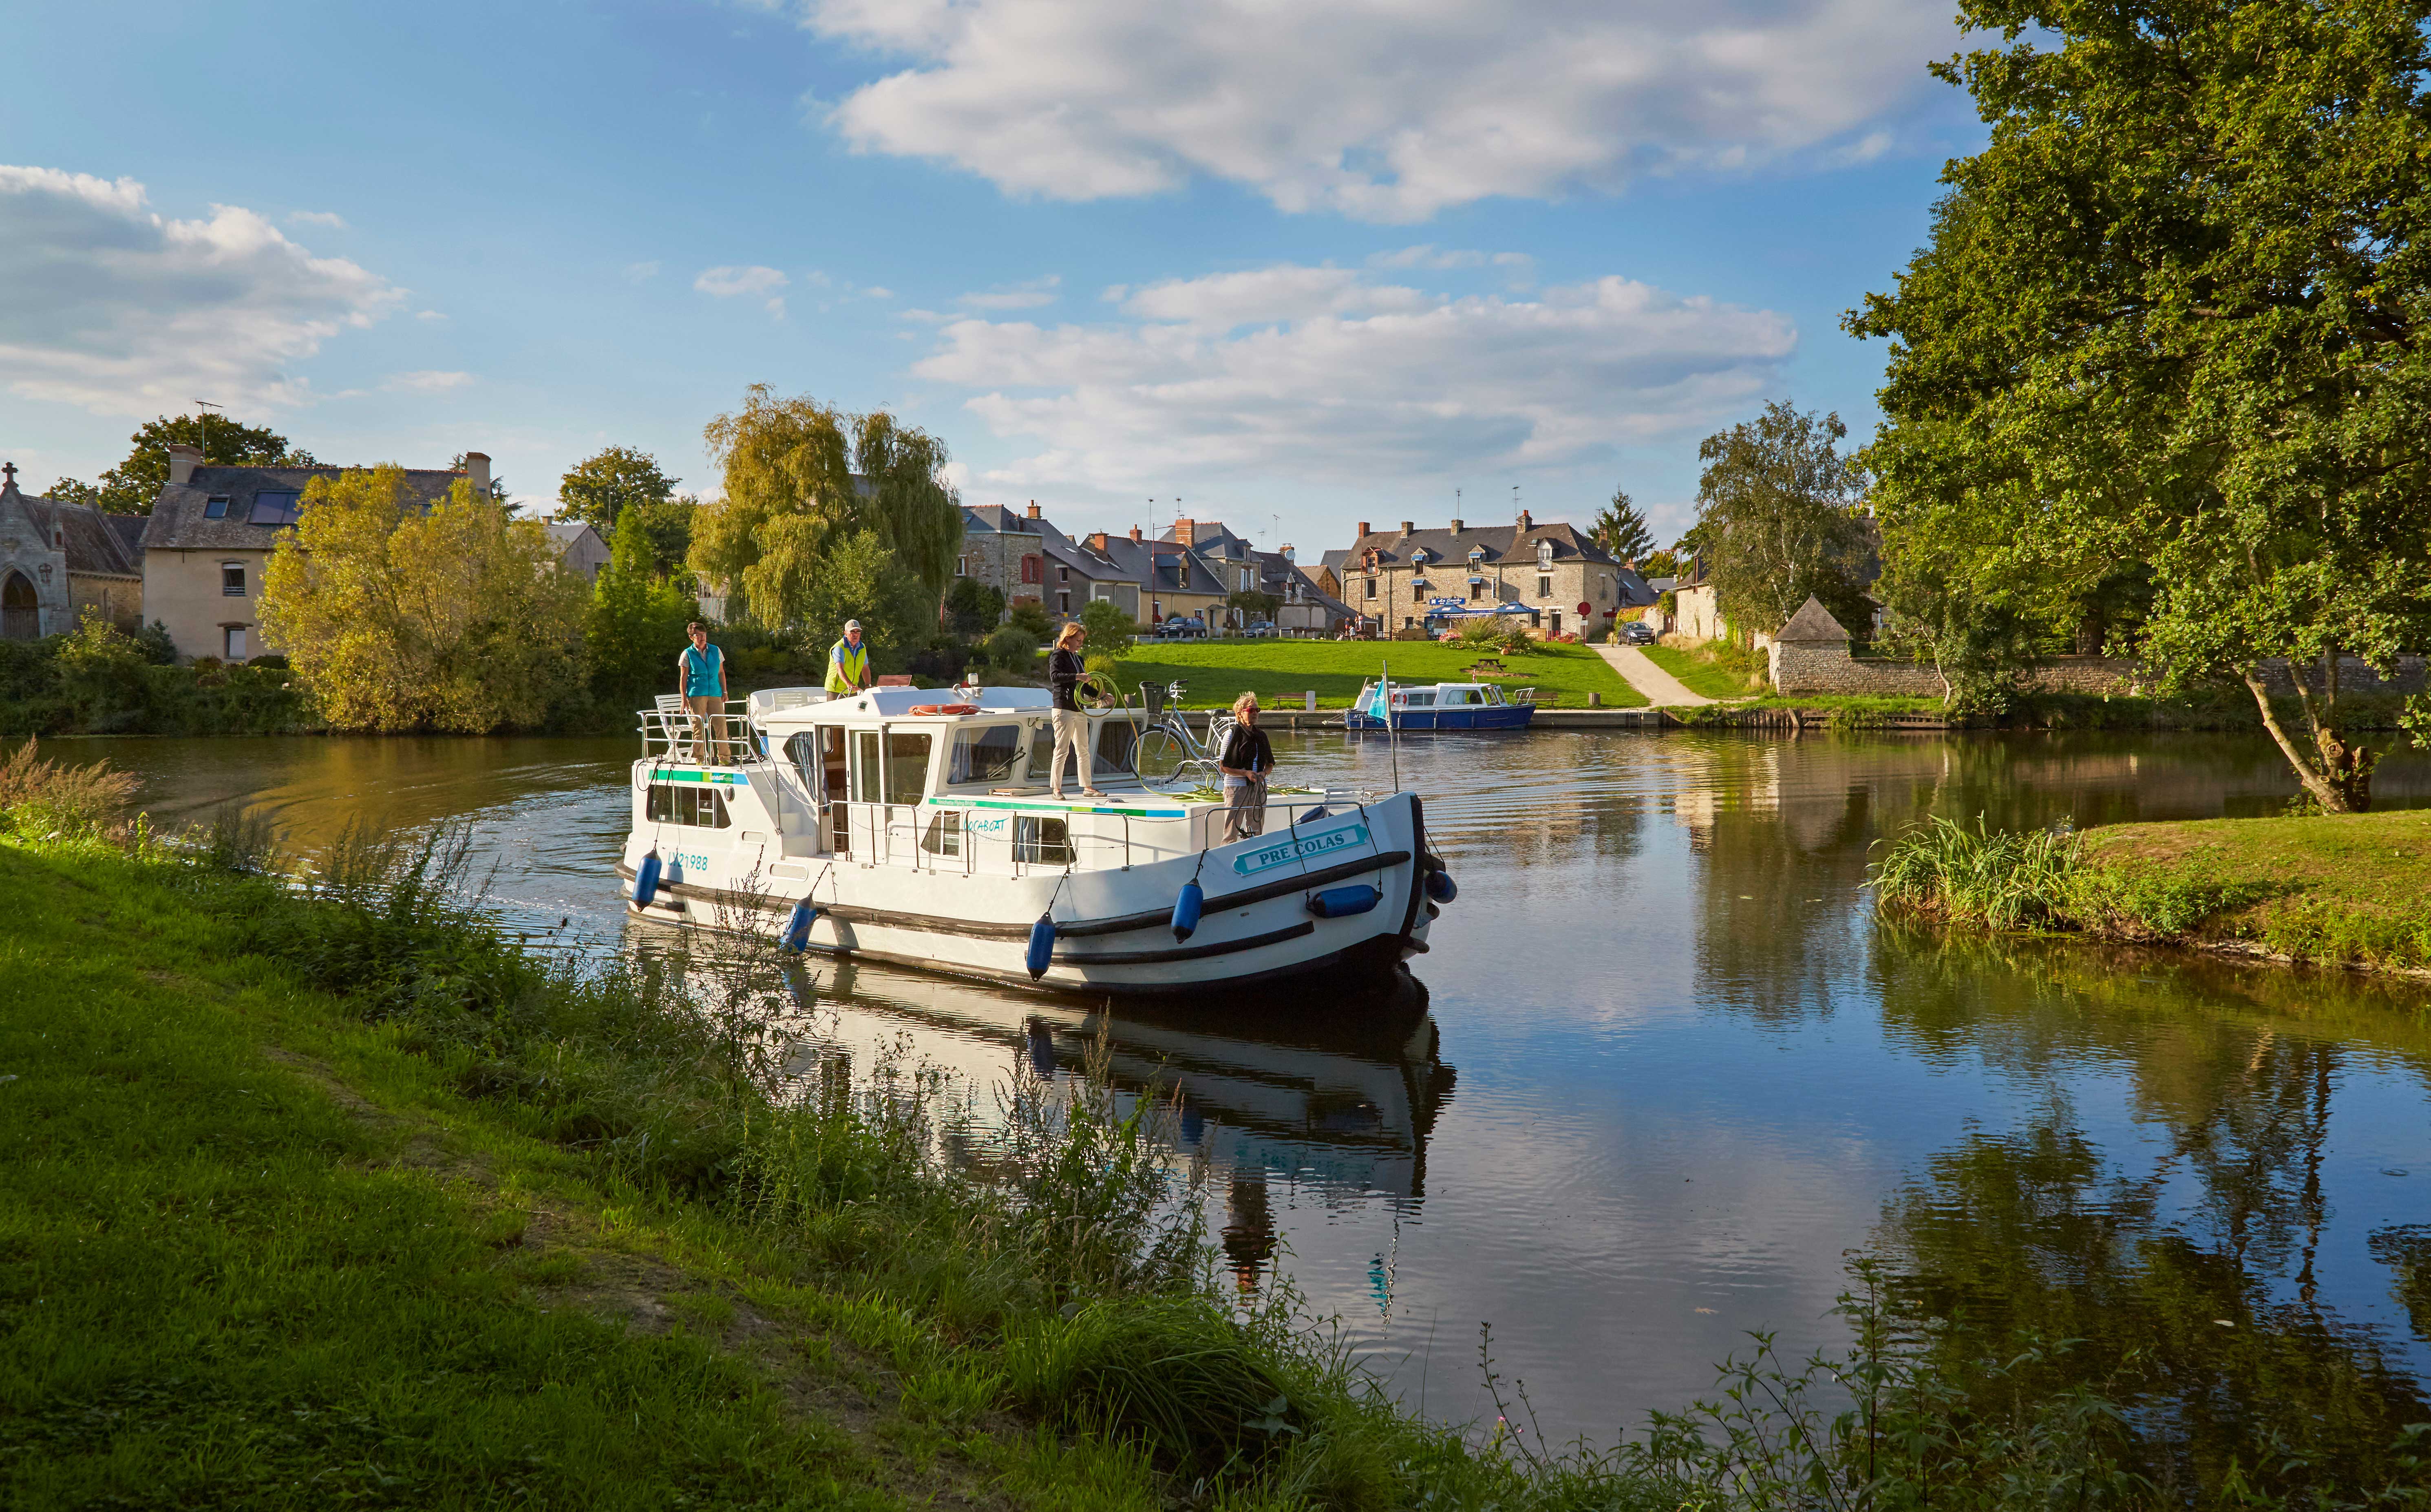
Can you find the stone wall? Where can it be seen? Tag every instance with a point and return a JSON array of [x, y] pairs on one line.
[[1807, 668]]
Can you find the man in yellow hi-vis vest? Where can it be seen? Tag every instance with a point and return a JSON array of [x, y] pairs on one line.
[[848, 662]]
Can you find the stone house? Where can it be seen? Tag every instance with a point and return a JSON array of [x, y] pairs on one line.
[[579, 547], [59, 559], [1004, 550], [210, 534], [1561, 578]]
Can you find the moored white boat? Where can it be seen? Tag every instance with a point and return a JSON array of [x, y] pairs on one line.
[[1443, 706], [897, 827]]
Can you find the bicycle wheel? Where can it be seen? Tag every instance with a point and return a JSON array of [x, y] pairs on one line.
[[1158, 759]]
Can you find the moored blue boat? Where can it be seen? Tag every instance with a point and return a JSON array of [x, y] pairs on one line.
[[1443, 706]]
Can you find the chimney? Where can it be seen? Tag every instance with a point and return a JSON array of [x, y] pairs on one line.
[[1098, 541], [1523, 521], [1363, 528], [1456, 526], [1182, 529], [182, 463], [1135, 534], [1409, 528], [1034, 508], [476, 470], [1287, 553]]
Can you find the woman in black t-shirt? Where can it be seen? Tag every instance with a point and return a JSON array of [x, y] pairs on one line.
[[1064, 670]]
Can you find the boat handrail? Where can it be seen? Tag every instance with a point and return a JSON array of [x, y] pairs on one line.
[[666, 729]]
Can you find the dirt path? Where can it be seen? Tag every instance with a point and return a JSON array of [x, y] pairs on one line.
[[1639, 670]]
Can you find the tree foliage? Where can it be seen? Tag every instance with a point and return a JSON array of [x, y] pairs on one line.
[[1622, 530], [1777, 519], [1108, 626], [801, 477], [2175, 315], [857, 576], [603, 485], [973, 608], [133, 485], [635, 624], [459, 618]]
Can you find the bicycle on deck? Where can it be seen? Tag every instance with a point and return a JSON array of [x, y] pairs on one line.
[[1167, 757]]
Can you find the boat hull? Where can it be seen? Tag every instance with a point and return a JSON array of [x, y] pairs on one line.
[[1488, 717], [1112, 929]]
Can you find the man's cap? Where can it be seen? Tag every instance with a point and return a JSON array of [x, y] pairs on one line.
[[852, 624]]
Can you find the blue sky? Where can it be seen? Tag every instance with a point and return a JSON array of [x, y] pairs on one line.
[[1294, 265]]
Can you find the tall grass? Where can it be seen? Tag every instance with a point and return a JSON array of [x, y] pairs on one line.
[[2004, 880], [45, 798]]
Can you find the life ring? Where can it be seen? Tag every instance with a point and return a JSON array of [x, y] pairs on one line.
[[945, 708]]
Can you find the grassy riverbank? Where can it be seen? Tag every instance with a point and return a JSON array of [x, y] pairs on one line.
[[329, 1193], [2349, 890], [1280, 672]]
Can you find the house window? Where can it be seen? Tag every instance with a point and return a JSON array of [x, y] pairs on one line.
[[1476, 589], [1544, 587], [1371, 587], [232, 643], [232, 579], [962, 566], [1062, 574], [1063, 603], [273, 508], [215, 508], [1030, 569]]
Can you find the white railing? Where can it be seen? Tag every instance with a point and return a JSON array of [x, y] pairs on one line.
[[667, 733]]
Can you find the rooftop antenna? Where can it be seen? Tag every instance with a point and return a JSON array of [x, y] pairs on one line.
[[207, 405]]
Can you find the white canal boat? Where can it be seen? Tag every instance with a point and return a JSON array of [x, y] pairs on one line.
[[895, 826]]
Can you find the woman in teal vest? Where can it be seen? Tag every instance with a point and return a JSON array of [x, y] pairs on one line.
[[848, 662], [702, 667]]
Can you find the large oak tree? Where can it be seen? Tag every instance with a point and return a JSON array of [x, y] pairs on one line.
[[2175, 314]]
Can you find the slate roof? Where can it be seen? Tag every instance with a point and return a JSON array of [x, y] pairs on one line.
[[1501, 543], [1174, 569], [93, 545], [178, 522], [1813, 622], [995, 519]]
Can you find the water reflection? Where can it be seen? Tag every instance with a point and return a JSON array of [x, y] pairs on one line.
[[1693, 1073]]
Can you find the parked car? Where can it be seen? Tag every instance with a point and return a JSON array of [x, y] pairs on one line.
[[1260, 632], [1177, 629], [1634, 632]]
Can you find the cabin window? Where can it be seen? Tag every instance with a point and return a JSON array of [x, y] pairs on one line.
[[683, 804], [1419, 700], [1115, 737], [1042, 752], [1042, 840], [985, 755], [1459, 695], [907, 766], [803, 751], [944, 836]]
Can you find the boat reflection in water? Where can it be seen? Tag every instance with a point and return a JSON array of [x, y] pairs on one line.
[[1343, 1101]]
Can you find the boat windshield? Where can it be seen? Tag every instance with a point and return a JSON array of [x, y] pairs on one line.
[[985, 755], [1493, 694]]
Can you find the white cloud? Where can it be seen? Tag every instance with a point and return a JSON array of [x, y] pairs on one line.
[[426, 381], [640, 272], [1319, 374], [1425, 255], [1014, 296], [1385, 112], [325, 218], [731, 282], [428, 314], [879, 291], [106, 304]]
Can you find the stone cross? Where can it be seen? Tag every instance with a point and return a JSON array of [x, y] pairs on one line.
[[9, 468]]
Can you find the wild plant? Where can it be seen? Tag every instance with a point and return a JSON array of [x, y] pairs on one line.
[[46, 800], [2005, 881]]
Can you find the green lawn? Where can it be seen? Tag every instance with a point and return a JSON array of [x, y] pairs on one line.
[[1280, 672], [1703, 672]]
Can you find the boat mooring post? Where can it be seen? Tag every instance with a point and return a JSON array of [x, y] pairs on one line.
[[1392, 726]]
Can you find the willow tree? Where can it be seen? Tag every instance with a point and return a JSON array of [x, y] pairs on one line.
[[801, 477], [455, 616], [2178, 313]]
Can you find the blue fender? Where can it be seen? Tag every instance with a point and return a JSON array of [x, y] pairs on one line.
[[1042, 946], [797, 928], [1341, 903], [645, 881], [1185, 911], [1441, 887]]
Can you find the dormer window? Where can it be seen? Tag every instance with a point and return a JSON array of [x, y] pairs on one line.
[[1543, 553], [1477, 553], [215, 508]]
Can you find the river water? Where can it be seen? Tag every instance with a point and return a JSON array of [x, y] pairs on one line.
[[1666, 1074]]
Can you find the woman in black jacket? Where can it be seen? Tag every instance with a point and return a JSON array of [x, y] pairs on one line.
[[1064, 670], [1245, 761]]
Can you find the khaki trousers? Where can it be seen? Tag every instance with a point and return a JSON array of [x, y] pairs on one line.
[[708, 717], [1245, 809], [1071, 733]]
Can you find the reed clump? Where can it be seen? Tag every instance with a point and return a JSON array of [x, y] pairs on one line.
[[43, 798], [2001, 879]]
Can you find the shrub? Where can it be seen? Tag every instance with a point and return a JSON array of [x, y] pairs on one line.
[[1033, 617], [42, 798], [1013, 649], [1110, 628]]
